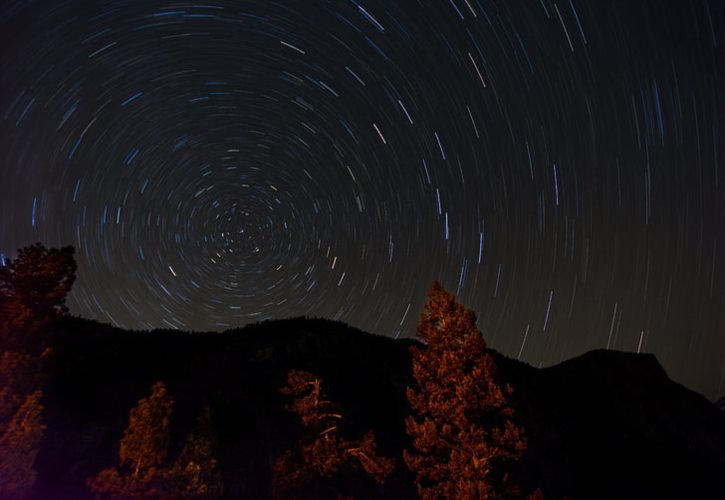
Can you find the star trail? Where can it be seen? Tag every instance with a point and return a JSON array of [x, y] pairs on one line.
[[556, 164]]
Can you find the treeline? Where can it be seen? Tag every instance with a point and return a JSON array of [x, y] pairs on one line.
[[462, 429]]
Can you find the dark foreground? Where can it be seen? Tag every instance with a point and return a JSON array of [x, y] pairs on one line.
[[604, 425]]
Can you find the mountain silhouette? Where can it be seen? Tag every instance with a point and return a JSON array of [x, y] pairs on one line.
[[720, 403], [606, 424]]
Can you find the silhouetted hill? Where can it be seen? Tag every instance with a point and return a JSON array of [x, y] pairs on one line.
[[604, 425], [720, 403]]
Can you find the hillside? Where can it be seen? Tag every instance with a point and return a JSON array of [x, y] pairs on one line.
[[603, 425]]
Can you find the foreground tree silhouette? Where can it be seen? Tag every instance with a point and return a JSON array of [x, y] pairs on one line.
[[194, 474], [20, 375], [19, 446], [322, 456], [461, 430], [142, 452], [33, 289], [21, 427]]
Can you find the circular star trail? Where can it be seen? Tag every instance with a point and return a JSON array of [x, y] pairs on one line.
[[556, 164]]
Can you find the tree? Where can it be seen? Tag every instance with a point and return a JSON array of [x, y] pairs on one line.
[[20, 375], [19, 446], [42, 277], [142, 452], [33, 289], [146, 440], [461, 428], [21, 429], [194, 473], [322, 454]]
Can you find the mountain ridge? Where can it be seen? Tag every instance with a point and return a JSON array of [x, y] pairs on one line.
[[602, 424]]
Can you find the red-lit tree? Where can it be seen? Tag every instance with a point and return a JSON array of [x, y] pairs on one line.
[[461, 428], [20, 375], [322, 455], [142, 472], [142, 451], [33, 289], [194, 473], [19, 440]]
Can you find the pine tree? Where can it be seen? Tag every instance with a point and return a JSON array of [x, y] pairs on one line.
[[33, 289], [20, 376], [194, 474], [142, 452], [146, 440], [322, 455], [461, 428], [42, 277], [21, 382], [19, 446]]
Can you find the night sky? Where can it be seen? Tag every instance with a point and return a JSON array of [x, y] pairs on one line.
[[556, 164]]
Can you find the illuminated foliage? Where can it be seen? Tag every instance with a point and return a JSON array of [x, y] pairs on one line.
[[142, 452], [33, 289], [146, 439], [194, 474], [20, 375], [19, 446], [141, 472], [461, 428], [322, 455]]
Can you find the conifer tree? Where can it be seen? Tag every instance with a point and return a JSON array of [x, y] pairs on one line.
[[146, 440], [461, 428], [33, 289], [322, 455], [20, 376], [194, 474], [19, 442], [142, 452]]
